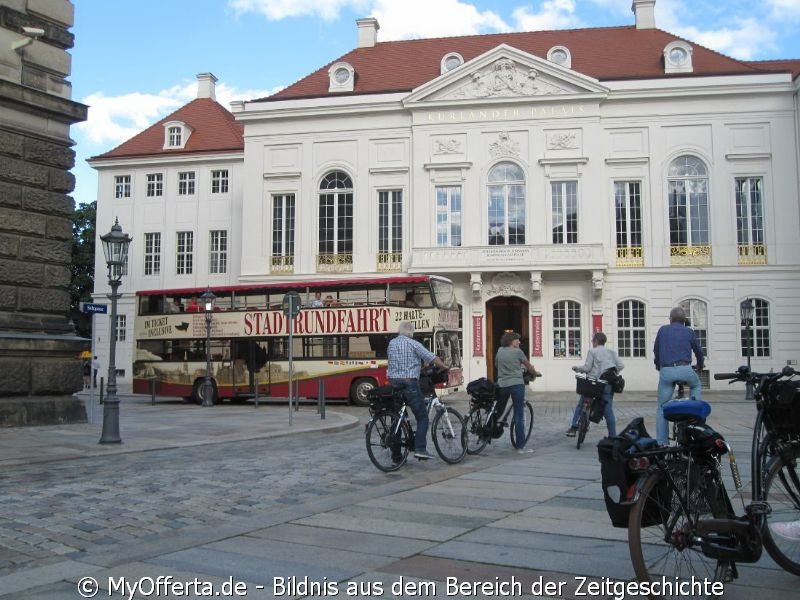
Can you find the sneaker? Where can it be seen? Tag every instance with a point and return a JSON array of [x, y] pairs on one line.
[[571, 432], [525, 451], [422, 455], [789, 530]]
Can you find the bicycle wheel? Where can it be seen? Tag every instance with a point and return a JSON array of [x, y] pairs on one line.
[[382, 442], [476, 435], [449, 436], [661, 536], [782, 492], [527, 414], [583, 426]]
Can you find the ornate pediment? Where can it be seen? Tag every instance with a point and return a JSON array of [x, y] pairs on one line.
[[505, 73]]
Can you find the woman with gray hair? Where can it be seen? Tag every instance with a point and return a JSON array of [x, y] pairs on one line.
[[509, 362]]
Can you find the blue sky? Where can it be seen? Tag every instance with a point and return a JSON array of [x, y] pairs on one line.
[[135, 61]]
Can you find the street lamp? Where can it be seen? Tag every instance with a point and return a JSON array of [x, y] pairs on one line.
[[746, 309], [208, 299], [115, 248]]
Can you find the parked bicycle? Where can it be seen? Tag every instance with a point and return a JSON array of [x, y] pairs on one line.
[[682, 527], [775, 450], [389, 433], [483, 424], [590, 390]]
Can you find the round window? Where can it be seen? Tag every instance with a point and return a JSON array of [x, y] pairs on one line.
[[341, 75], [451, 63], [678, 56], [558, 56]]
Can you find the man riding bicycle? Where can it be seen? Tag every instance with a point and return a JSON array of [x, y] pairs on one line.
[[406, 357]]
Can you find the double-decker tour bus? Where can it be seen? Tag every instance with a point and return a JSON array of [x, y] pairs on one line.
[[340, 334]]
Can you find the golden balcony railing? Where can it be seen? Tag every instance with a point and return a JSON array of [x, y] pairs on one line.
[[335, 263], [752, 254], [282, 264], [630, 257], [690, 255], [390, 261]]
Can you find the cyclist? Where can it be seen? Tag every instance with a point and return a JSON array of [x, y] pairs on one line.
[[406, 356], [599, 359], [672, 354], [508, 360]]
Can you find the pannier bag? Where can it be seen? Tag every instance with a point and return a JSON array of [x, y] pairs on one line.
[[482, 391], [783, 406], [694, 411], [589, 386], [619, 482], [384, 398], [597, 410]]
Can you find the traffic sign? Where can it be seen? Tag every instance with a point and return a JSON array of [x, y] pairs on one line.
[[291, 304], [89, 308]]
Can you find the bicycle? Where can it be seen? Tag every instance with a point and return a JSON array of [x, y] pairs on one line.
[[775, 450], [389, 435], [682, 526], [591, 391], [482, 424]]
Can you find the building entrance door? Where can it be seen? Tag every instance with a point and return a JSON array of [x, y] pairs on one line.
[[505, 313]]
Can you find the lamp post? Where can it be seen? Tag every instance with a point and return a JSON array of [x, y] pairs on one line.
[[115, 248], [208, 299], [746, 309]]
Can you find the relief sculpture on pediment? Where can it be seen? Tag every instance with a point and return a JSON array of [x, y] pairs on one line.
[[505, 284], [505, 78]]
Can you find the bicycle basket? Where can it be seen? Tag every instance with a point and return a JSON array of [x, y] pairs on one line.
[[589, 386], [482, 391], [783, 407], [384, 398]]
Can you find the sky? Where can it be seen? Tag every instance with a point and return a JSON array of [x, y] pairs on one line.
[[136, 61]]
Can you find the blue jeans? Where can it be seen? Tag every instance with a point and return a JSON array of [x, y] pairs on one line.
[[517, 393], [608, 415], [416, 401], [667, 377]]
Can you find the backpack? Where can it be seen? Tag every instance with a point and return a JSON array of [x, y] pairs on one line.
[[619, 482]]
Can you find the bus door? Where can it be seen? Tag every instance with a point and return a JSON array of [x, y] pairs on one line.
[[249, 357]]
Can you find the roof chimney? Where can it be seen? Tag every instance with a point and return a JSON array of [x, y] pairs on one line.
[[645, 12], [205, 85], [367, 32]]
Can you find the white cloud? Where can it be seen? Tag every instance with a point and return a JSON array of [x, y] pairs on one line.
[[554, 14], [745, 40], [784, 9], [402, 19], [275, 10]]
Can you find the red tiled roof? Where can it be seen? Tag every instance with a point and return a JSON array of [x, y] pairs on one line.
[[778, 66], [215, 130], [608, 53]]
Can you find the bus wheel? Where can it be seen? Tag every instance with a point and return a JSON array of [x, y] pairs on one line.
[[197, 392], [360, 389]]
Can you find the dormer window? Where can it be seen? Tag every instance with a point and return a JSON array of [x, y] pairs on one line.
[[342, 77], [451, 61], [678, 57], [176, 134], [561, 56]]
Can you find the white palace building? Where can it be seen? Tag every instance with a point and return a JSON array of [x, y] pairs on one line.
[[566, 181]]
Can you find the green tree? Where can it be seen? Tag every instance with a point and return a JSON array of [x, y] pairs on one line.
[[82, 283]]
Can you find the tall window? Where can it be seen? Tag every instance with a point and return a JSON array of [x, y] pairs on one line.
[[506, 204], [567, 329], [184, 252], [565, 211], [697, 313], [219, 181], [631, 329], [122, 186], [152, 253], [186, 183], [155, 185], [750, 220], [628, 210], [283, 232], [122, 323], [390, 230], [759, 332], [218, 252], [688, 211], [448, 215], [336, 222], [175, 136]]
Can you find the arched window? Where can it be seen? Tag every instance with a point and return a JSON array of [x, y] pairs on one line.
[[697, 313], [567, 329], [755, 336], [335, 223], [506, 188], [631, 329], [688, 211]]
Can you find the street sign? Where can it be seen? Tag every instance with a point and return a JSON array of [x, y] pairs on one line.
[[291, 304], [89, 308]]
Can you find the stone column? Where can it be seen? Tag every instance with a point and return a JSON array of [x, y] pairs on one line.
[[39, 364]]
